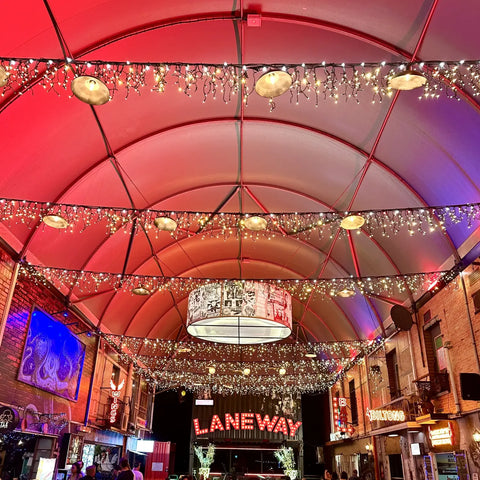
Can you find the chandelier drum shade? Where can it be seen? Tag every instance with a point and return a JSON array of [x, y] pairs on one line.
[[240, 313]]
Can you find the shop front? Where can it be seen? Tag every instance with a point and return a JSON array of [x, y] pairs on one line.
[[28, 442], [247, 434], [352, 454], [393, 430], [445, 459]]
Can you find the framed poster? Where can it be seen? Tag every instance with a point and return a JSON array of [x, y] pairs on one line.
[[52, 357]]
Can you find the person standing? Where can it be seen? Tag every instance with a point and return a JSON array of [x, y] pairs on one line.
[[75, 472], [136, 471], [125, 471], [354, 475], [91, 471]]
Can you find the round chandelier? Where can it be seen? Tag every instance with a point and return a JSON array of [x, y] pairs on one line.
[[239, 312]]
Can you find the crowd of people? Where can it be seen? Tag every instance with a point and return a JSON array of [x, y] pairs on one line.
[[343, 475], [122, 471]]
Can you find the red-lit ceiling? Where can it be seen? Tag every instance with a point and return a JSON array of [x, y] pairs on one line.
[[178, 153]]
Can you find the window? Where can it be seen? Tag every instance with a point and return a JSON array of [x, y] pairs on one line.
[[353, 402], [439, 353], [393, 375], [476, 301], [436, 358], [115, 374]]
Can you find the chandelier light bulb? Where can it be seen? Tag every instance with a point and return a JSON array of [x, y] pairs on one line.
[[346, 293], [141, 290], [255, 223], [273, 83], [211, 370], [282, 371], [90, 90], [165, 224], [55, 221], [352, 222], [3, 76], [246, 371], [407, 80]]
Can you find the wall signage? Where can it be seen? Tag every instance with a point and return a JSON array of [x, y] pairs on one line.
[[386, 415], [112, 417], [441, 436], [249, 421], [9, 419], [340, 415]]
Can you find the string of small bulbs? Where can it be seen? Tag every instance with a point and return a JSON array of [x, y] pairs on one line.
[[143, 285], [181, 224], [241, 369], [96, 82]]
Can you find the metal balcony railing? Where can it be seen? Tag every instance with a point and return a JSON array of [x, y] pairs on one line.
[[432, 384]]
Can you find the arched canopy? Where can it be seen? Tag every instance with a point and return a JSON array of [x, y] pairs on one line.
[[177, 152]]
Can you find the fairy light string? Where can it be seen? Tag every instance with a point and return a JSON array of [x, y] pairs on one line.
[[382, 222], [87, 282], [169, 364], [310, 82]]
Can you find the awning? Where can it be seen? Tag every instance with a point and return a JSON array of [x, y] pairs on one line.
[[397, 428]]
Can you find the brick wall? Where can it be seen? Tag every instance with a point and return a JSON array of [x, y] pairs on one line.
[[27, 293], [450, 308], [6, 270]]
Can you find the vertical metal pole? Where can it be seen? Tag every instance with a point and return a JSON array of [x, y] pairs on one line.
[[472, 332], [92, 379], [8, 301], [330, 402], [361, 396], [412, 357], [375, 458]]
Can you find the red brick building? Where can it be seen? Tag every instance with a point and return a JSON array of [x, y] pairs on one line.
[[50, 425], [408, 393]]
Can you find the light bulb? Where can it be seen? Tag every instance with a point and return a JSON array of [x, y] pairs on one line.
[[92, 85]]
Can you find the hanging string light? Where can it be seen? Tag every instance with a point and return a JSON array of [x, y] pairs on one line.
[[179, 224], [304, 82], [88, 282], [241, 369]]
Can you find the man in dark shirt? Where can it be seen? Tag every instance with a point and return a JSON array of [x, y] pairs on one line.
[[125, 471], [91, 471]]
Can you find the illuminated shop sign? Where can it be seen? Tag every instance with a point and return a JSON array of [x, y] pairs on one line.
[[249, 421], [114, 405], [386, 415], [441, 436], [340, 415]]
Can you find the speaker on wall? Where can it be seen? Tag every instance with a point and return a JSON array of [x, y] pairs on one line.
[[470, 386], [401, 317]]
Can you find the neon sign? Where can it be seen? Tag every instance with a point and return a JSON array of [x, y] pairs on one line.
[[114, 405], [441, 436], [386, 415], [248, 421], [340, 415]]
